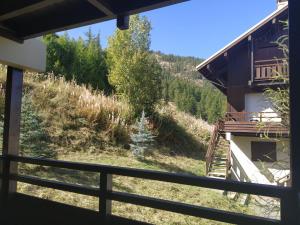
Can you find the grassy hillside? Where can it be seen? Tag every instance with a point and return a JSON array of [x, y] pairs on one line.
[[66, 121]]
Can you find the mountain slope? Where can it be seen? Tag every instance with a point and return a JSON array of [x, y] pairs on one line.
[[180, 66]]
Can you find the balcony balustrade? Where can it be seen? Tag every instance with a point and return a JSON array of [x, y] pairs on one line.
[[254, 122], [268, 70]]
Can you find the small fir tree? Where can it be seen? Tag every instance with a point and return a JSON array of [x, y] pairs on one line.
[[142, 141], [34, 139]]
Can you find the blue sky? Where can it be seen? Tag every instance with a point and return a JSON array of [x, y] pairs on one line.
[[195, 28]]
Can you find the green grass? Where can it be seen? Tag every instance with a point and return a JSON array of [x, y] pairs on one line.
[[174, 192]]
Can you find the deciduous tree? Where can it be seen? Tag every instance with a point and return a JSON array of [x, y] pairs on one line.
[[133, 71]]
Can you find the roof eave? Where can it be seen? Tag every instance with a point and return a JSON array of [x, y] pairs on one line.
[[241, 37]]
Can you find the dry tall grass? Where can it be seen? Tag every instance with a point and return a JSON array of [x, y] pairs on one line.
[[77, 115], [79, 118]]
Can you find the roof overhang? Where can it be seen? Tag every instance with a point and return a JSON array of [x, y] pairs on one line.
[[21, 20], [241, 38]]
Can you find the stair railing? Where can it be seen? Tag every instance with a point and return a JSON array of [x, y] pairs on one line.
[[284, 181], [212, 146], [228, 163]]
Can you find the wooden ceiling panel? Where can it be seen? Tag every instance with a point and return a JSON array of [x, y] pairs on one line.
[[20, 20], [53, 18], [131, 7], [7, 6]]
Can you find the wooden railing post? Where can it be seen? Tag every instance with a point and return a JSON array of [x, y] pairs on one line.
[[294, 80], [11, 133], [228, 163], [288, 206], [105, 202]]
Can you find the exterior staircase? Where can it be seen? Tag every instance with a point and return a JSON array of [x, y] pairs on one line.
[[217, 155], [219, 161]]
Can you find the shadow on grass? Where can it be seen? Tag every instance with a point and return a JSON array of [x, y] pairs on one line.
[[165, 166], [177, 140], [89, 179]]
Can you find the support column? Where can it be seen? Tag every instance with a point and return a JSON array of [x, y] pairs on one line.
[[11, 133], [294, 67]]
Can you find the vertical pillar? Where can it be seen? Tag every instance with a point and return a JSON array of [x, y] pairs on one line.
[[105, 201], [11, 133], [123, 22], [251, 39], [294, 54]]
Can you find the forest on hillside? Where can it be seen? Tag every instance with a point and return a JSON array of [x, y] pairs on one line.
[[156, 77], [180, 66]]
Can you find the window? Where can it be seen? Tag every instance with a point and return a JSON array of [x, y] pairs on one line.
[[263, 151]]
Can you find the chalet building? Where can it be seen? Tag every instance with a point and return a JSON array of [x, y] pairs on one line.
[[242, 70]]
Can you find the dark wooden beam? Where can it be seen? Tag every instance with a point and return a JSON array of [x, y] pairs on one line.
[[134, 8], [123, 22], [102, 7], [105, 206], [292, 206], [11, 133], [142, 5], [28, 9], [252, 58], [7, 33], [205, 182]]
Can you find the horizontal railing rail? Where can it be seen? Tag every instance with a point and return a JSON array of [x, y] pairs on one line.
[[253, 116], [106, 194]]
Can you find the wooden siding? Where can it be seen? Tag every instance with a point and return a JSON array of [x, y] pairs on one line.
[[248, 67]]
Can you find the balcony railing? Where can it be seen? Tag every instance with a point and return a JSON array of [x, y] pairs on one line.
[[106, 194], [269, 69], [253, 117]]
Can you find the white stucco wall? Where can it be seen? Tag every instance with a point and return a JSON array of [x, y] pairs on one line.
[[261, 172], [30, 55], [261, 107]]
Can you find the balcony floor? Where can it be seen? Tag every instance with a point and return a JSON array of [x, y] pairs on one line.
[[252, 128], [27, 210]]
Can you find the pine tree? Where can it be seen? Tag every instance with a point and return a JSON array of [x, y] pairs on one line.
[[142, 140], [34, 140], [78, 59]]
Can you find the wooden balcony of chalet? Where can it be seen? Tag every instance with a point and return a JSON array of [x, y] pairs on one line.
[[267, 71], [253, 123]]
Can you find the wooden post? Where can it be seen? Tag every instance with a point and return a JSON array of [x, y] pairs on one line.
[[294, 73], [123, 22], [105, 202], [250, 38], [11, 133]]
